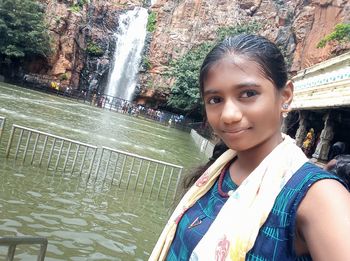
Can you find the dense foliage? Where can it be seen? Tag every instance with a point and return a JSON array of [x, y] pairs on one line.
[[185, 96], [23, 32], [151, 22], [341, 33]]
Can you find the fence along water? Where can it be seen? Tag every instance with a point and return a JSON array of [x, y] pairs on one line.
[[12, 242], [54, 152], [102, 167], [158, 179]]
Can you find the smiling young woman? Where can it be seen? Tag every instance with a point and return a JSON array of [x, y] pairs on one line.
[[261, 199]]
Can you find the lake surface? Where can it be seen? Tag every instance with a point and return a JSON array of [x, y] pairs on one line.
[[82, 223]]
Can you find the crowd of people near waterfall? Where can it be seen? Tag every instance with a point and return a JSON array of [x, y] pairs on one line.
[[259, 197], [133, 109]]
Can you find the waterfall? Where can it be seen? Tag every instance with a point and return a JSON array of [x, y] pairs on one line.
[[130, 39]]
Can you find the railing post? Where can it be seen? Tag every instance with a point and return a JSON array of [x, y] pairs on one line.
[[11, 252], [91, 164], [169, 181], [161, 182], [2, 126], [10, 141], [27, 144], [83, 160], [75, 158], [19, 143], [177, 183], [34, 148], [130, 172], [108, 161], [42, 253], [115, 168], [99, 164]]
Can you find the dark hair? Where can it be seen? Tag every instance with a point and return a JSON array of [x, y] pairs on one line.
[[342, 168], [190, 179], [257, 49], [337, 148]]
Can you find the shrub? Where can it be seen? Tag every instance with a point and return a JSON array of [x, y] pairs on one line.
[[151, 22], [341, 33]]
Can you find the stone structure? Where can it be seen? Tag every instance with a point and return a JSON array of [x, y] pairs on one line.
[[322, 97], [326, 138], [302, 130]]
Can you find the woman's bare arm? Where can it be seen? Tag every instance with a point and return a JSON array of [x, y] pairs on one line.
[[323, 220]]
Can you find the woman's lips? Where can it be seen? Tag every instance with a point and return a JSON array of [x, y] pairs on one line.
[[233, 131]]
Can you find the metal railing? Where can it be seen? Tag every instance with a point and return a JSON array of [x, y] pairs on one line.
[[156, 178], [12, 243], [56, 152], [2, 125], [139, 173]]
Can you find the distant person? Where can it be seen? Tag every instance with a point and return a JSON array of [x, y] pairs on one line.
[[308, 142], [337, 148], [340, 166], [261, 199], [93, 100]]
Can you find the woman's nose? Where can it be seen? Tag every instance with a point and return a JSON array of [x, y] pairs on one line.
[[231, 113]]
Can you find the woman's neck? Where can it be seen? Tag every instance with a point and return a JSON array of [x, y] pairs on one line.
[[248, 160]]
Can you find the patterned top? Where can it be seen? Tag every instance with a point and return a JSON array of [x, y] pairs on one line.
[[276, 237]]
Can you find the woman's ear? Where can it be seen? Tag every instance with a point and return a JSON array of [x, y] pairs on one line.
[[287, 97]]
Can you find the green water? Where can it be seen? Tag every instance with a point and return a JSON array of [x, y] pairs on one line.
[[80, 223]]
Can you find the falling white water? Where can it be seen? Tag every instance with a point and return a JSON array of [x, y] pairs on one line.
[[130, 39], [153, 2]]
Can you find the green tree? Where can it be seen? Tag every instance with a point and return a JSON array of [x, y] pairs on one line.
[[23, 32], [185, 96], [341, 33]]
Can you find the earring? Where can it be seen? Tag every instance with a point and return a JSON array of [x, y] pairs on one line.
[[284, 114]]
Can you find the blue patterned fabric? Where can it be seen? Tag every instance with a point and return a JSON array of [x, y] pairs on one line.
[[206, 208], [276, 237]]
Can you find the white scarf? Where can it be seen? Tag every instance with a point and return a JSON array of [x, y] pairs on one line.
[[234, 231]]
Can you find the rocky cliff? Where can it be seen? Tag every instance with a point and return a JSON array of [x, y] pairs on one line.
[[82, 42], [296, 25], [82, 34]]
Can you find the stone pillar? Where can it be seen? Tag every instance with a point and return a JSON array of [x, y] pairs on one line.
[[327, 134], [302, 130]]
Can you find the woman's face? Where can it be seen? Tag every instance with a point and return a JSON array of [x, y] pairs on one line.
[[243, 106]]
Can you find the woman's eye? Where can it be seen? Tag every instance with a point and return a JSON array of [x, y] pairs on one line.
[[214, 100], [248, 94]]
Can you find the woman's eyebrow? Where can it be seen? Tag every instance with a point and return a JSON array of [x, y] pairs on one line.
[[213, 90], [247, 84], [210, 91]]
